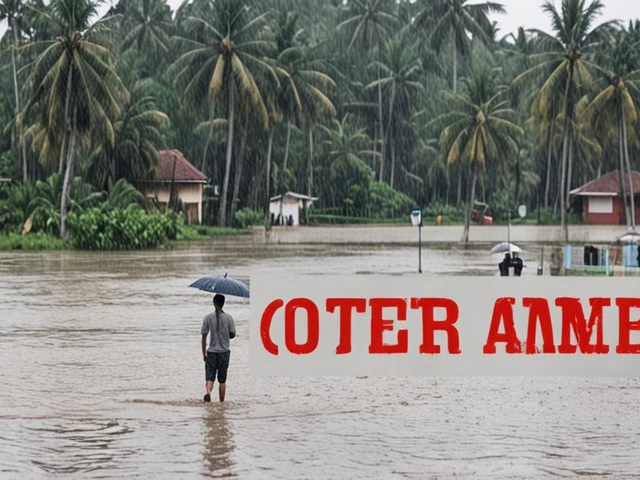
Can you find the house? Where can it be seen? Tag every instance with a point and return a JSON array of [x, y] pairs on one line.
[[174, 169], [602, 199], [285, 209]]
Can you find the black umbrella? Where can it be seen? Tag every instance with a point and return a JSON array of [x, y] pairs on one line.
[[222, 285]]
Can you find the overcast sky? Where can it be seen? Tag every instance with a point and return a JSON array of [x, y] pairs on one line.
[[529, 14], [525, 13]]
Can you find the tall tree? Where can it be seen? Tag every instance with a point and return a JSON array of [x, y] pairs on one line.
[[613, 112], [12, 12], [562, 71], [220, 57], [138, 138], [74, 89], [457, 20], [400, 68], [479, 131], [370, 24], [148, 25]]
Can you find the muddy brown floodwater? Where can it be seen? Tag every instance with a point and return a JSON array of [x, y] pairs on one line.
[[101, 375]]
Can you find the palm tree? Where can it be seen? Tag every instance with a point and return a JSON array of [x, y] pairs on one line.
[[349, 176], [74, 87], [138, 138], [480, 131], [12, 12], [149, 25], [303, 93], [613, 112], [400, 66], [562, 71], [457, 20], [371, 25], [220, 57]]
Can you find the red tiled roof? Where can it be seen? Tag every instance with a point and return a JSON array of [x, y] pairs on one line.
[[184, 171], [609, 184]]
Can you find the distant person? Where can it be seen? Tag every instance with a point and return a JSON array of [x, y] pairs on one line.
[[517, 264], [638, 247], [504, 265], [221, 329]]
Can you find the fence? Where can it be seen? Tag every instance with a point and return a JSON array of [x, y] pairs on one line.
[[609, 260]]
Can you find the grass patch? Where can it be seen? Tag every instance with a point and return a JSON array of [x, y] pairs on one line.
[[32, 241], [202, 232]]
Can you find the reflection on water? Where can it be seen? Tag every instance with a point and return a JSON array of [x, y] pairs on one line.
[[101, 375], [218, 441]]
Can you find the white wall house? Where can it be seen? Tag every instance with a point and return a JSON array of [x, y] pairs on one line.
[[188, 181], [286, 209]]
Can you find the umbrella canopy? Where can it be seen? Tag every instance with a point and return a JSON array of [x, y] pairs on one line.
[[505, 247], [222, 285], [630, 237]]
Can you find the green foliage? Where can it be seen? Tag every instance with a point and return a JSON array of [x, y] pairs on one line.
[[546, 216], [385, 202], [447, 212], [104, 228], [17, 206], [246, 218], [9, 166], [501, 205], [32, 241]]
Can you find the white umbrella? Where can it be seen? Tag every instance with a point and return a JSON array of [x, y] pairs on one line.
[[505, 247], [630, 237]]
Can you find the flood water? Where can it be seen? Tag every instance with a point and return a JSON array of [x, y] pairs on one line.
[[101, 376]]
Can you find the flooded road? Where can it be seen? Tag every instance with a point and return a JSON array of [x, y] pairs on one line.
[[101, 375]]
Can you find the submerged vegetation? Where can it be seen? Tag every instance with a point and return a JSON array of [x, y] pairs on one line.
[[375, 107]]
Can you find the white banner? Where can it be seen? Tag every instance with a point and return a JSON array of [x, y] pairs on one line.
[[444, 326]]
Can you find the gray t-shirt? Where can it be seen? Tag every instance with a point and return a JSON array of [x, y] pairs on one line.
[[220, 329]]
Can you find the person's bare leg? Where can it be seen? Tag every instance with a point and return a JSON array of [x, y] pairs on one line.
[[222, 390], [209, 387]]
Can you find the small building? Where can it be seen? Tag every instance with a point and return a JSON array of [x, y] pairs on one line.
[[603, 202], [174, 169], [285, 209]]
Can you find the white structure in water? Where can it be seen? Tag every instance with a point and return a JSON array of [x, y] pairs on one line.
[[286, 209]]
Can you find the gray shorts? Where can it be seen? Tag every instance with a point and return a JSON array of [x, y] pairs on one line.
[[216, 362]]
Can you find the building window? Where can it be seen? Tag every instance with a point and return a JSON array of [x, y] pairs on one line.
[[601, 205]]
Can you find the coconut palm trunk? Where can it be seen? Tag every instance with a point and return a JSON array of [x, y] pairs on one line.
[[20, 141], [467, 217], [565, 158], [623, 186], [267, 216], [222, 211], [547, 185], [67, 177], [239, 165], [631, 192], [286, 155], [309, 167], [383, 139], [67, 121]]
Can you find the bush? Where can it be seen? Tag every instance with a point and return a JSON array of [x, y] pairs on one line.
[[448, 213], [104, 228], [246, 218], [32, 241], [546, 216], [386, 203]]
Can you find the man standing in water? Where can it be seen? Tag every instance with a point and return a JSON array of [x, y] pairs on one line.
[[221, 328]]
